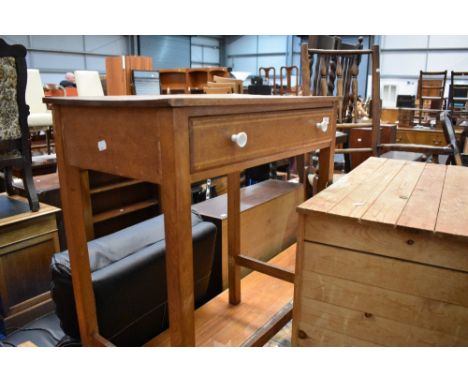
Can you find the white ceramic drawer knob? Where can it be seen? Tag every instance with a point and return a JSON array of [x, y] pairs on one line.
[[324, 124], [240, 139]]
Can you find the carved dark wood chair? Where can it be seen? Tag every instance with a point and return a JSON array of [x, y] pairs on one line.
[[266, 76], [327, 72], [15, 147], [335, 73], [286, 73], [430, 96]]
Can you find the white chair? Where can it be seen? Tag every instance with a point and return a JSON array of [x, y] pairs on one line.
[[40, 118], [88, 83]]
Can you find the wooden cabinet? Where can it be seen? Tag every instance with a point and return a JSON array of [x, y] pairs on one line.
[[188, 80], [113, 202], [119, 73], [27, 242], [383, 260], [421, 136], [117, 202]]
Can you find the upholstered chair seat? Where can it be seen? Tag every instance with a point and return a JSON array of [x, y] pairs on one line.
[[39, 121], [88, 83]]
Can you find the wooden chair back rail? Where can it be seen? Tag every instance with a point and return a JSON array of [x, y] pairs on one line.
[[338, 71], [288, 72], [266, 72]]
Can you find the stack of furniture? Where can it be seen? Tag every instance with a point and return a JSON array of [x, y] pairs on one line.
[[119, 73], [188, 80]]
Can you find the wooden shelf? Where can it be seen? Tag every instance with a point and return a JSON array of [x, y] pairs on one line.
[[217, 323], [124, 210], [114, 186]]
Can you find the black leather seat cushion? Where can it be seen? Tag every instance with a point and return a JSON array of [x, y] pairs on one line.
[[129, 280], [44, 331]]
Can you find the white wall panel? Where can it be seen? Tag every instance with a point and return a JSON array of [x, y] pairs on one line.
[[110, 45], [96, 63], [167, 51], [57, 61], [65, 43], [241, 45], [196, 54], [436, 41], [244, 64], [402, 63], [272, 44], [23, 40], [275, 61], [404, 42], [203, 40], [448, 61], [211, 55]]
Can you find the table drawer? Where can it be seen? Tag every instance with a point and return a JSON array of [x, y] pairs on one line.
[[211, 143]]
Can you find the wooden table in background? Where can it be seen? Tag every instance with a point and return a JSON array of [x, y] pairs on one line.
[[173, 141], [383, 258]]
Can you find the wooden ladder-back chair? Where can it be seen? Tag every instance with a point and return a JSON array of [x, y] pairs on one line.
[[266, 75], [458, 97], [287, 73], [430, 96], [15, 145]]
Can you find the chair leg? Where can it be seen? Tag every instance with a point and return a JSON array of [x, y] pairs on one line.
[[48, 139], [30, 189], [8, 173]]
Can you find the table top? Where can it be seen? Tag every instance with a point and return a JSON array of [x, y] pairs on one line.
[[422, 196], [184, 100]]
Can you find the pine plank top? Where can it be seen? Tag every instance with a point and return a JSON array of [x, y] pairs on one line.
[[184, 100], [422, 196]]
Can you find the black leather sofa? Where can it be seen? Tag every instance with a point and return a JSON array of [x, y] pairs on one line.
[[129, 280]]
